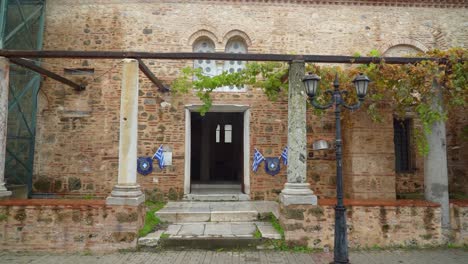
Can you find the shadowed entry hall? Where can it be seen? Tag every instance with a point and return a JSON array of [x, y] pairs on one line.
[[217, 149]]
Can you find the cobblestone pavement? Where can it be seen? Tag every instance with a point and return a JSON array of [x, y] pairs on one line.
[[445, 256]]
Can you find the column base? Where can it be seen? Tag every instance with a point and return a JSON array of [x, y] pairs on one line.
[[4, 193], [297, 193], [126, 195]]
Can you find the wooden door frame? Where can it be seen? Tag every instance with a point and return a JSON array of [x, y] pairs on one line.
[[225, 108]]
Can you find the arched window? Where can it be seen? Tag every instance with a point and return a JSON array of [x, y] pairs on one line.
[[234, 45], [208, 67]]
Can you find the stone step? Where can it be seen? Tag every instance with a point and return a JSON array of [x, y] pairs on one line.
[[235, 196], [209, 235], [183, 212], [201, 186]]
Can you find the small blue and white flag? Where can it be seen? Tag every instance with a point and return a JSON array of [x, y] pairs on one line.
[[159, 155], [257, 159], [284, 156]]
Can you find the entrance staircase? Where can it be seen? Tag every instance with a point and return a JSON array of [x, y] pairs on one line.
[[214, 225]]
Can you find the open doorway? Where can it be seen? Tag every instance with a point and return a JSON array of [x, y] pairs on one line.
[[217, 152]]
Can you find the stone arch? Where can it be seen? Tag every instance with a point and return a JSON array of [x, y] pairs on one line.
[[403, 44], [401, 50], [235, 33], [441, 39], [202, 33]]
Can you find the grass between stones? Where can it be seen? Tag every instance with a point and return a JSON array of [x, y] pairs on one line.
[[257, 233], [151, 221], [281, 244], [164, 236], [276, 224]]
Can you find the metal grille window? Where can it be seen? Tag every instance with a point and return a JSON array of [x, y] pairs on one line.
[[236, 45], [401, 139], [208, 66]]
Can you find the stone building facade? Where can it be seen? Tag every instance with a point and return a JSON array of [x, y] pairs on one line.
[[77, 136]]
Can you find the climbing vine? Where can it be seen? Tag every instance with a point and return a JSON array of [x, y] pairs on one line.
[[404, 88]]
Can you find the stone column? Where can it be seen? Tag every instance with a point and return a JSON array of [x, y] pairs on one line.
[[127, 191], [297, 190], [435, 163], [4, 79]]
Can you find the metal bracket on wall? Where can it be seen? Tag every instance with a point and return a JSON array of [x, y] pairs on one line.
[[42, 71]]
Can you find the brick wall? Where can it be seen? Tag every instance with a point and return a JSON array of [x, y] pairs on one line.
[[369, 156], [77, 132], [68, 225], [404, 223], [459, 221]]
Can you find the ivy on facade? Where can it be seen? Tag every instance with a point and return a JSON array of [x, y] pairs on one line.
[[402, 88]]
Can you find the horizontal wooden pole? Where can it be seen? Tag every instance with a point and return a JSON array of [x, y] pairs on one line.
[[206, 56]]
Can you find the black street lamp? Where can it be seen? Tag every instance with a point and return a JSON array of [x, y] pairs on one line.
[[361, 82]]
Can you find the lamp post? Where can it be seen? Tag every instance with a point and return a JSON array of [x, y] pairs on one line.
[[361, 82]]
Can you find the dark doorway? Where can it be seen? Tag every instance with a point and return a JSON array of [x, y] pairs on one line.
[[217, 148]]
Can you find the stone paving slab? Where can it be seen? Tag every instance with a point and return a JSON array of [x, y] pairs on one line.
[[191, 230], [150, 240], [432, 256], [268, 231], [233, 216], [219, 229], [210, 229]]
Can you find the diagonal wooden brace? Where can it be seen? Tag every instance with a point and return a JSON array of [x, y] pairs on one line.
[[151, 76], [42, 71]]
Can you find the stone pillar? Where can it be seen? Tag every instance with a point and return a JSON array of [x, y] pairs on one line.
[[435, 163], [297, 190], [4, 79], [127, 191]]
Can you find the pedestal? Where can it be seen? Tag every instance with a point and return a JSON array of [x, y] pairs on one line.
[[297, 193]]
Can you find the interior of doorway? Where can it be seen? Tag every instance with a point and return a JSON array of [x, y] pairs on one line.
[[217, 151]]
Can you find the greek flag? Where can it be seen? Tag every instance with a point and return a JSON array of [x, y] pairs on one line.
[[159, 155], [257, 159], [284, 156]]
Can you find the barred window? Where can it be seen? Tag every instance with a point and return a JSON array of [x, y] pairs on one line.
[[401, 139], [234, 45], [208, 66]]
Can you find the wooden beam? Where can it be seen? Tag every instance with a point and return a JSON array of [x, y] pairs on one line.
[[206, 56], [151, 76], [42, 71]]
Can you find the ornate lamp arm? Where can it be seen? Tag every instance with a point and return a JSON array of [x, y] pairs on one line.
[[323, 107], [350, 107], [354, 106]]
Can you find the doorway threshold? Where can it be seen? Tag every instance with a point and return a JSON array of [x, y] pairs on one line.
[[216, 192]]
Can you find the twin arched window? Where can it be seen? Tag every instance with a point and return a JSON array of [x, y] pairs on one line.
[[212, 68]]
